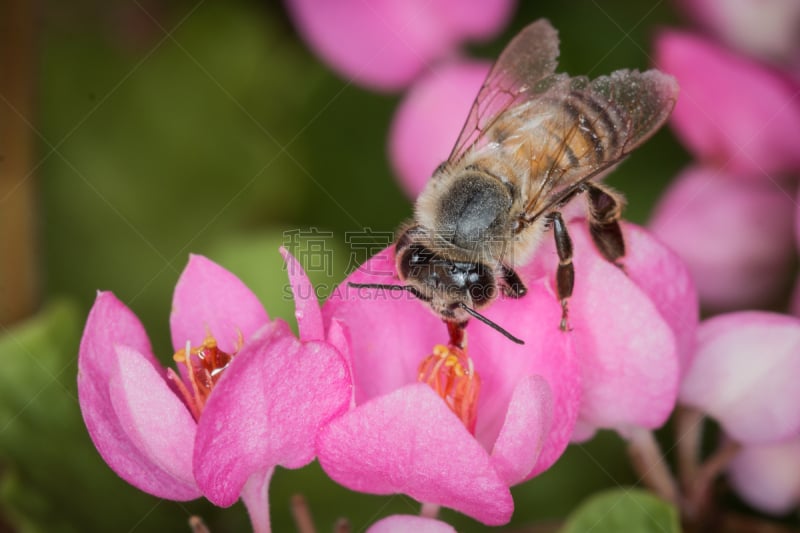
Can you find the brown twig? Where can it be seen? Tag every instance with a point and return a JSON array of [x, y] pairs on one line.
[[739, 523], [342, 526], [197, 525], [19, 273], [302, 514]]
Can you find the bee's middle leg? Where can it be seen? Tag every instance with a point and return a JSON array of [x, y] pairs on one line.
[[565, 275], [605, 210]]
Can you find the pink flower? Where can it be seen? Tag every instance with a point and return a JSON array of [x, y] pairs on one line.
[[767, 476], [429, 119], [730, 217], [618, 368], [744, 376], [405, 523], [164, 434], [385, 44], [627, 325], [769, 29], [733, 113], [736, 236]]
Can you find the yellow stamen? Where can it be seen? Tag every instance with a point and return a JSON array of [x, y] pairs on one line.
[[450, 372], [205, 364]]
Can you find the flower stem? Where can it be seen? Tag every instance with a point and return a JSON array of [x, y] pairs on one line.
[[648, 462], [255, 496], [698, 496], [689, 432], [429, 510], [19, 272]]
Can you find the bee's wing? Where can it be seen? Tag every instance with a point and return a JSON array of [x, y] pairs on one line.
[[528, 58], [643, 99], [593, 125]]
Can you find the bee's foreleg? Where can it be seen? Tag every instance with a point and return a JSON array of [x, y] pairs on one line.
[[605, 210], [511, 283], [565, 275]]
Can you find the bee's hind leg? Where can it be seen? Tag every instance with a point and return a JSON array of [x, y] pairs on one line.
[[565, 275], [605, 210]]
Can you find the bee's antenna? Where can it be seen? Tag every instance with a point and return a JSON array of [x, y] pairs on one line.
[[489, 323], [377, 286]]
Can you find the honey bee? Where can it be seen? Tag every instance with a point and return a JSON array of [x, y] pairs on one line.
[[533, 141]]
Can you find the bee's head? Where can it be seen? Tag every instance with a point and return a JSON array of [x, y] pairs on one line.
[[448, 286], [453, 289]]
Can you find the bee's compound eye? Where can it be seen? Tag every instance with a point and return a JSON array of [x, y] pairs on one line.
[[420, 255], [481, 285], [412, 260]]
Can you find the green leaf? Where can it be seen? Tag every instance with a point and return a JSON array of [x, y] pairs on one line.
[[622, 509]]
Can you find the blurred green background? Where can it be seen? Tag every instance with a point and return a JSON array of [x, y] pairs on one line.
[[164, 128]]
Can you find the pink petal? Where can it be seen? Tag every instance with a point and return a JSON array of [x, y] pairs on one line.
[[744, 375], [503, 366], [385, 44], [769, 29], [110, 322], [211, 300], [429, 119], [475, 19], [307, 312], [529, 416], [583, 432], [666, 280], [736, 237], [768, 476], [339, 338], [404, 523], [391, 332], [266, 410], [410, 442], [110, 329], [752, 130], [626, 350], [157, 423]]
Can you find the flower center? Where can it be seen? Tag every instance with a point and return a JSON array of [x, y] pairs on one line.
[[205, 364], [449, 371]]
